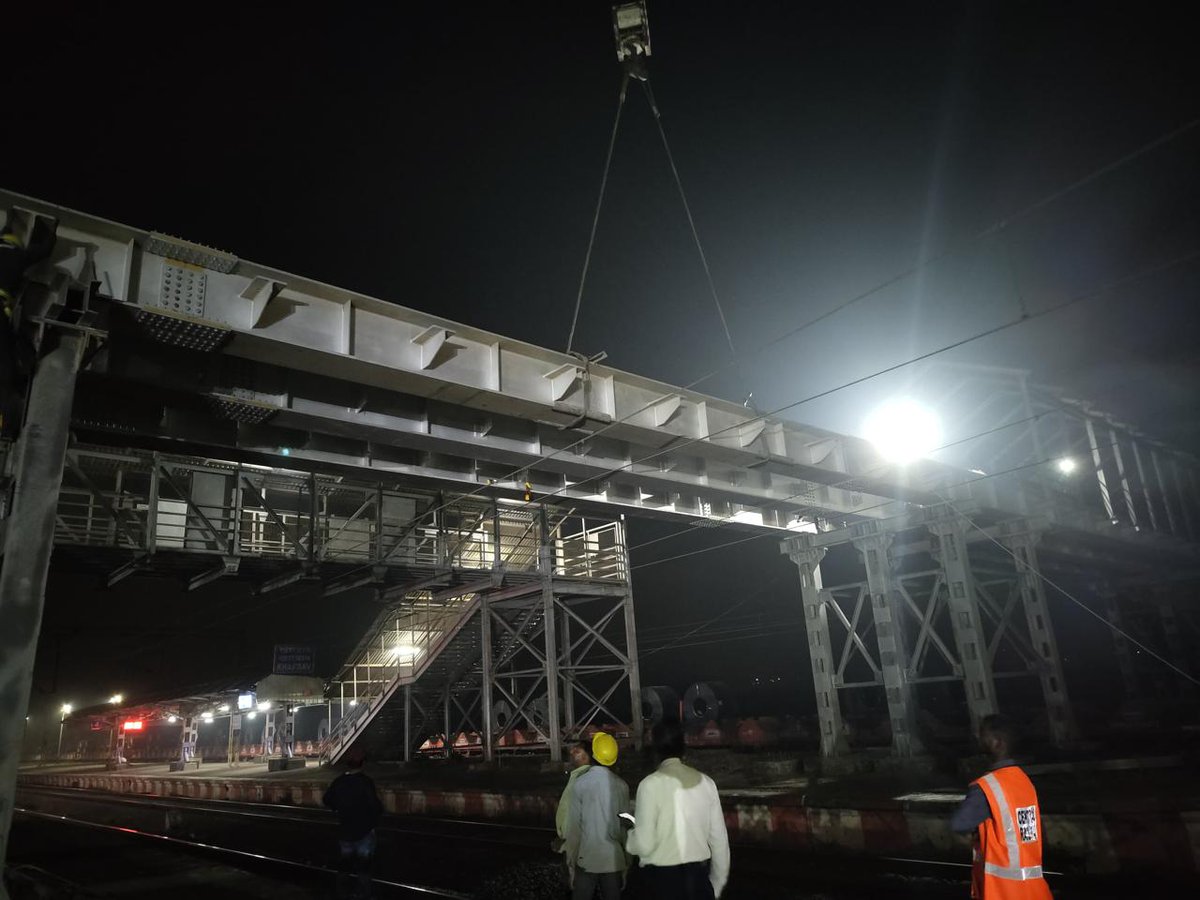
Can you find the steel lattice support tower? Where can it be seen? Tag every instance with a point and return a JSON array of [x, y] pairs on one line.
[[820, 646], [889, 635], [1023, 545], [963, 601]]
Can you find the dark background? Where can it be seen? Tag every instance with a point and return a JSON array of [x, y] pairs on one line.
[[448, 159]]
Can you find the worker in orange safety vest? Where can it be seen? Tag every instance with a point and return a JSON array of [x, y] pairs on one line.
[[1001, 808]]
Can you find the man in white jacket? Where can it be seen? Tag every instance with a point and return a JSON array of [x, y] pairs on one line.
[[679, 836]]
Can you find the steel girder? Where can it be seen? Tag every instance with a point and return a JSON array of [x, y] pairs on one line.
[[302, 357]]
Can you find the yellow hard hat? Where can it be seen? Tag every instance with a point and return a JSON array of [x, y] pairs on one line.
[[604, 748]]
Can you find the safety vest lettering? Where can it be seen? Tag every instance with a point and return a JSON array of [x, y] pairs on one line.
[[1027, 823]]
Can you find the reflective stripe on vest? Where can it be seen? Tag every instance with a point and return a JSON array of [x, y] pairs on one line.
[[1018, 874], [1010, 872]]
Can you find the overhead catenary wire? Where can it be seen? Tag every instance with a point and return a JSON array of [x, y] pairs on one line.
[[883, 467], [960, 247], [992, 229], [1064, 592], [758, 593], [897, 277], [671, 447], [275, 599], [749, 630], [674, 446], [779, 533]]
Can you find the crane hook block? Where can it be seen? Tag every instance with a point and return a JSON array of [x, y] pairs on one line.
[[631, 29]]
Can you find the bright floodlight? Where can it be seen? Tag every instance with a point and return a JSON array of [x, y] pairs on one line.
[[405, 653], [903, 431], [1066, 465], [264, 705], [170, 720], [116, 698], [224, 707], [66, 709]]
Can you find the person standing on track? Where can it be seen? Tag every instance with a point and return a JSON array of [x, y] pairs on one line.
[[594, 845], [1001, 808], [353, 797], [679, 835]]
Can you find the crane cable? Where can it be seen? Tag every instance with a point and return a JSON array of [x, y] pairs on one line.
[[587, 259], [712, 288], [687, 209]]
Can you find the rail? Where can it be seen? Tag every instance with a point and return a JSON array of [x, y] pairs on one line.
[[145, 503]]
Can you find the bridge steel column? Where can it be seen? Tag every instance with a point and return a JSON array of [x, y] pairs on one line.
[[549, 621], [408, 704], [188, 737], [1023, 546], [1162, 491], [889, 635], [820, 648], [1121, 648], [637, 723], [1126, 490], [270, 732], [567, 669], [1173, 639], [963, 602], [485, 680], [1098, 470], [41, 453]]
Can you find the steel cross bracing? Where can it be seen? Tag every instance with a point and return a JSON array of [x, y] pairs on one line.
[[474, 667], [941, 606], [1162, 616], [1119, 481], [955, 593], [249, 363], [383, 415]]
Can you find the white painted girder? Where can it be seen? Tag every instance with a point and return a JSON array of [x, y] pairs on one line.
[[726, 452]]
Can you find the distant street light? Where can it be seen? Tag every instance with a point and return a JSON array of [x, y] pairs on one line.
[[66, 711], [116, 698], [1066, 465], [903, 431]]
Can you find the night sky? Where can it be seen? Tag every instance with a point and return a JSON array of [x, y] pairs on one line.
[[449, 160]]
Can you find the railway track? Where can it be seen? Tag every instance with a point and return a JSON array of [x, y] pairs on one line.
[[426, 856], [241, 859]]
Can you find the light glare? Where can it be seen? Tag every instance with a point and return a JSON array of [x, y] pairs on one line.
[[1066, 465], [405, 653], [903, 431]]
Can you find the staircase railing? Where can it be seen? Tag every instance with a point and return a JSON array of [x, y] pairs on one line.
[[405, 641]]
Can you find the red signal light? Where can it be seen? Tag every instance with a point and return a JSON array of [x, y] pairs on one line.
[[133, 725]]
